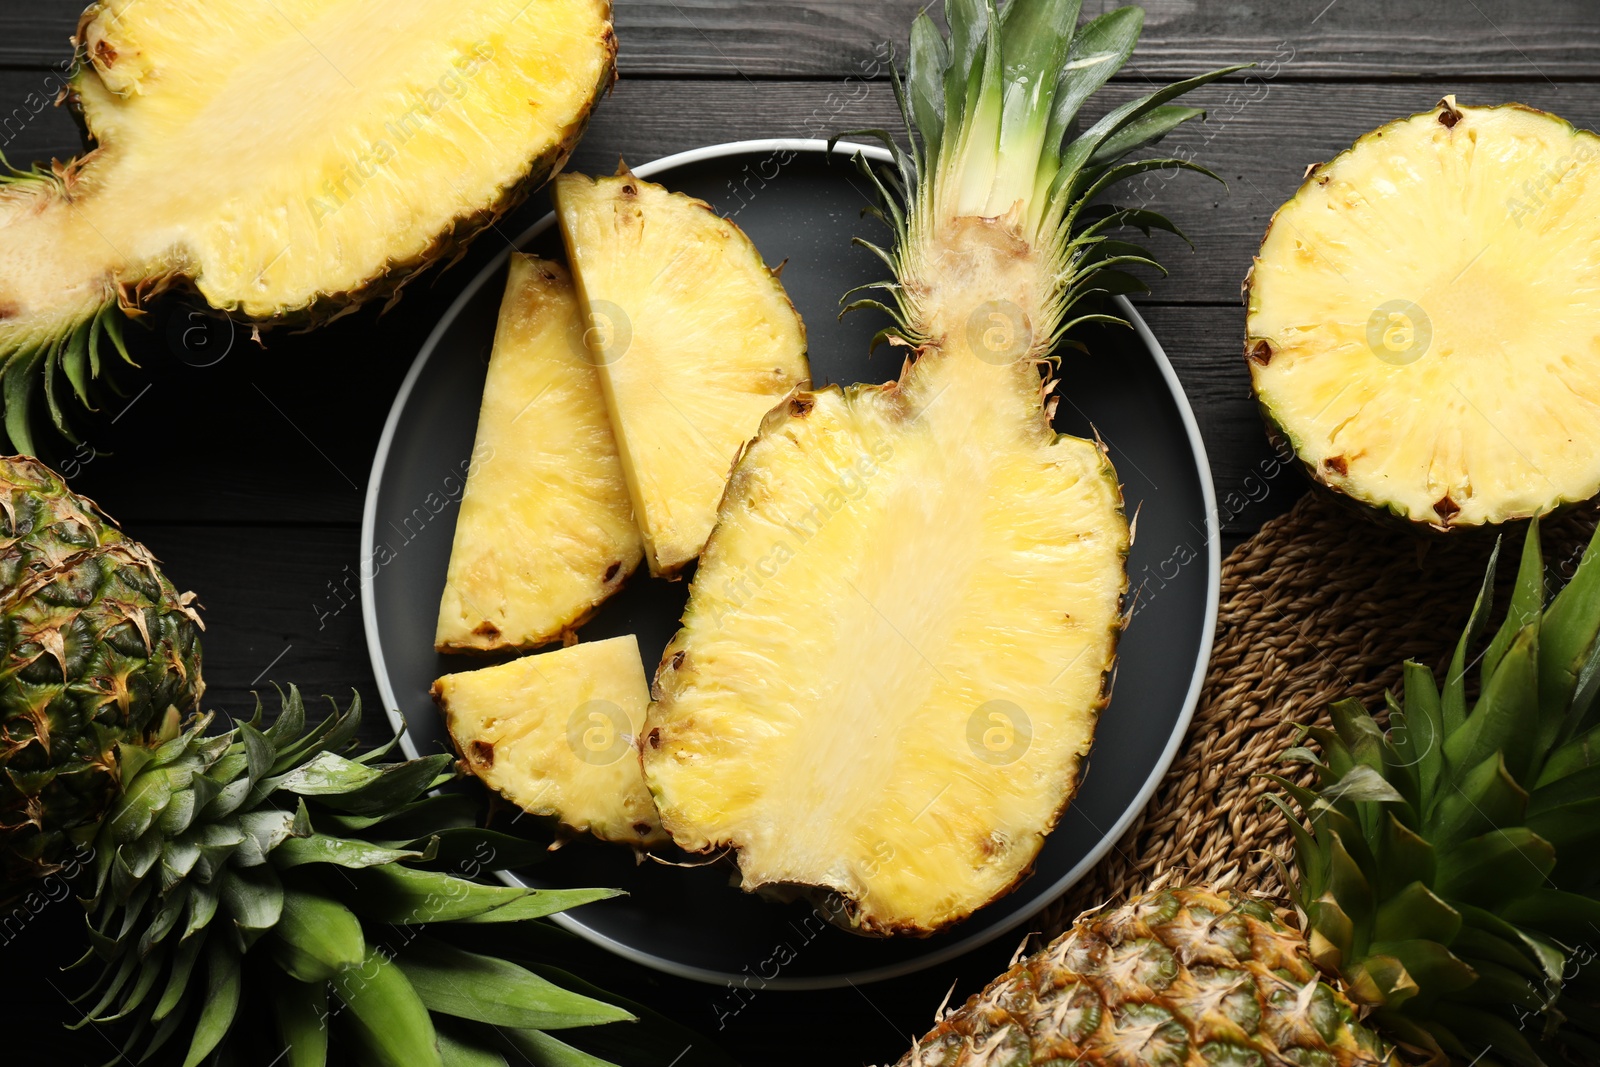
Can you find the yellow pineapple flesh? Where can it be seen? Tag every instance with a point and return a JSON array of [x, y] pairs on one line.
[[556, 735], [695, 341], [285, 159], [546, 531], [1424, 317]]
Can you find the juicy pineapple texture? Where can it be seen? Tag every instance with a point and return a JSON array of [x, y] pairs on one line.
[[893, 655], [695, 340], [546, 531], [556, 734], [289, 156], [1425, 317]]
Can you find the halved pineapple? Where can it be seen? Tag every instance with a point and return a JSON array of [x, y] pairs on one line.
[[546, 531], [556, 735], [695, 340], [898, 640], [284, 158], [1424, 323]]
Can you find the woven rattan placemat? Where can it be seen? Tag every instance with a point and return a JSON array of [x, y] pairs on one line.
[[1321, 604]]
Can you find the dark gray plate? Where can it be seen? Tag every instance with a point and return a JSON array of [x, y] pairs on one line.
[[800, 205]]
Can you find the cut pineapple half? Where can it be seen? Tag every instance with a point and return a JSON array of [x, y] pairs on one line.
[[895, 648], [900, 634], [695, 340], [556, 735], [284, 158], [546, 532], [1424, 317]]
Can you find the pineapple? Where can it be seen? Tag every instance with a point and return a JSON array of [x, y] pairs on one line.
[[1423, 314], [257, 871], [901, 632], [1174, 978], [694, 338], [333, 147], [557, 734], [546, 531], [98, 648], [1447, 880]]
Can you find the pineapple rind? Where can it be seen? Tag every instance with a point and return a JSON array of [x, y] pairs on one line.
[[557, 735], [695, 340], [828, 707], [1179, 977], [546, 531], [1480, 409]]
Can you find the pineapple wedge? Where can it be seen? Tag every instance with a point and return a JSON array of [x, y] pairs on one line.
[[546, 531], [555, 734], [695, 340]]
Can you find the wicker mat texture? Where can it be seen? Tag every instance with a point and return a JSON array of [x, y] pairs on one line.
[[1321, 604]]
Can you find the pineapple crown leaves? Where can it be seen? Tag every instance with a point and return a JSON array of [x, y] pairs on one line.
[[76, 348], [265, 863], [988, 111], [1450, 871]]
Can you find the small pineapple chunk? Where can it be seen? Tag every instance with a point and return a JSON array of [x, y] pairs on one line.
[[557, 735], [695, 340], [546, 532]]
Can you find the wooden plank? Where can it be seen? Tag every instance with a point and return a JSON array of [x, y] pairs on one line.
[[275, 611], [838, 38]]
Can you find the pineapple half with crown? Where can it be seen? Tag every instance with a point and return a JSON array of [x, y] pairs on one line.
[[261, 871], [1447, 878], [1423, 317], [694, 338], [557, 734], [546, 531], [336, 146], [901, 632]]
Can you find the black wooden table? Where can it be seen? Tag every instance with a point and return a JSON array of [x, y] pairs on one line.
[[244, 467]]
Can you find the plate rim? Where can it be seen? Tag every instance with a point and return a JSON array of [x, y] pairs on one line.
[[960, 946]]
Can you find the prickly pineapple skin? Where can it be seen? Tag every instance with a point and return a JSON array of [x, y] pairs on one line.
[[557, 735], [695, 341], [1175, 978], [95, 647], [546, 531], [1423, 317]]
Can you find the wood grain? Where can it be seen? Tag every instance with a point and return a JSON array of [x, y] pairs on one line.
[[1346, 39]]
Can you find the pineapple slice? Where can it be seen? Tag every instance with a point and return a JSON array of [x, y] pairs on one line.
[[332, 147], [898, 638], [1424, 317], [555, 734], [546, 531], [695, 340]]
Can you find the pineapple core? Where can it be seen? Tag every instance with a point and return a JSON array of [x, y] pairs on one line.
[[556, 735], [546, 531], [1424, 320], [695, 341]]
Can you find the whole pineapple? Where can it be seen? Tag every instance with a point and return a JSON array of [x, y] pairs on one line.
[[1448, 883], [1174, 978], [97, 649], [263, 871]]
